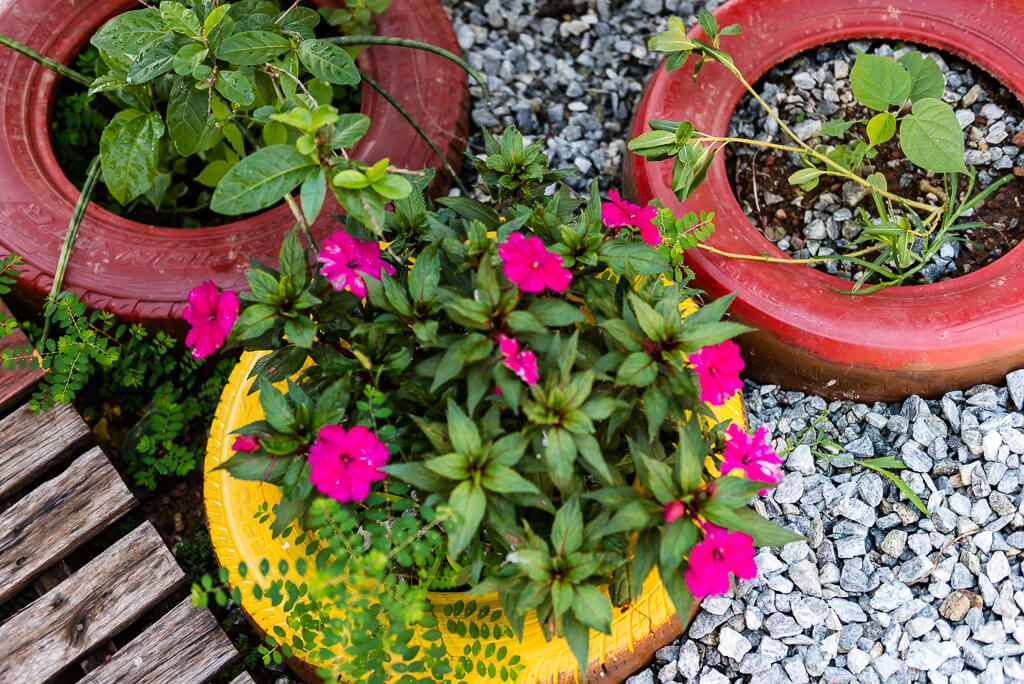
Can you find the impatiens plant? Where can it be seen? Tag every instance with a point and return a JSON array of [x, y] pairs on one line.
[[511, 373], [907, 96]]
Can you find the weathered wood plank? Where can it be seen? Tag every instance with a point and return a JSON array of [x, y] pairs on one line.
[[186, 645], [58, 517], [95, 603], [15, 385], [31, 443], [243, 678]]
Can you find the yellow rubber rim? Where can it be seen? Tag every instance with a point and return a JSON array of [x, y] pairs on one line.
[[237, 536]]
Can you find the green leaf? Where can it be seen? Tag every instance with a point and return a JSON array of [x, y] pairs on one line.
[[656, 477], [682, 599], [462, 431], [672, 40], [704, 334], [472, 209], [450, 466], [260, 180], [803, 176], [633, 516], [313, 193], [577, 635], [328, 62], [592, 607], [155, 59], [469, 502], [678, 539], [567, 530], [638, 370], [590, 450], [879, 82], [905, 488], [691, 451], [424, 275], [392, 187], [733, 492], [881, 128], [926, 79], [560, 455], [348, 129], [930, 136], [235, 87], [835, 128], [416, 474], [301, 332], [180, 19], [189, 57], [249, 48], [129, 151], [503, 480], [186, 115], [748, 521], [555, 312], [129, 32], [293, 261], [276, 408]]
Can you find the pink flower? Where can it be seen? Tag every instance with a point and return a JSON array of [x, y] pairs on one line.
[[522, 363], [346, 259], [345, 462], [619, 213], [718, 368], [751, 454], [211, 313], [246, 443], [720, 553], [529, 264], [674, 510]]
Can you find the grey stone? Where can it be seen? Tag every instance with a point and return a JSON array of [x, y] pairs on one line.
[[668, 672], [643, 677], [858, 511], [1015, 385], [809, 611], [894, 543], [870, 488], [847, 611], [915, 569], [790, 489], [927, 655], [801, 460], [850, 547], [688, 663], [998, 567], [732, 644], [915, 458], [890, 596], [780, 625]]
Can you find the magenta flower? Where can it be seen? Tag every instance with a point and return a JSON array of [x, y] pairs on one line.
[[345, 462], [211, 313], [246, 443], [674, 510], [522, 363], [718, 369], [720, 553], [347, 259], [529, 264], [751, 454], [620, 213]]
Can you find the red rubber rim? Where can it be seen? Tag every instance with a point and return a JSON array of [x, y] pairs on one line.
[[922, 339], [144, 272]]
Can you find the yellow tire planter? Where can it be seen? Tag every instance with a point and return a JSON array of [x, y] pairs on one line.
[[646, 625]]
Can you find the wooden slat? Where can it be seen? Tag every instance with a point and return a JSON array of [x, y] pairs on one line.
[[58, 517], [95, 603], [186, 645], [243, 678], [31, 443], [15, 385]]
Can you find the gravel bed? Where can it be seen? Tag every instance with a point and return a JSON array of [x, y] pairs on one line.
[[814, 87], [860, 600], [878, 593]]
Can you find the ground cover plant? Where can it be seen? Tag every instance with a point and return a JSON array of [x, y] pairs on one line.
[[501, 400], [904, 234]]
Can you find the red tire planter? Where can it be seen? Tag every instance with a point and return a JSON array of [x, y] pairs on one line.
[[923, 339], [144, 272]]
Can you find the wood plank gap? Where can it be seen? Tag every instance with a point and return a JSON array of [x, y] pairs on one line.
[[30, 443], [57, 517], [186, 645], [94, 604]]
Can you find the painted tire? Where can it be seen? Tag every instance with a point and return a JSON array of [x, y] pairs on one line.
[[650, 622], [143, 272], [924, 339]]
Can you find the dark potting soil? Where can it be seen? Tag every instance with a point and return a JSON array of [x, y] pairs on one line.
[[784, 213]]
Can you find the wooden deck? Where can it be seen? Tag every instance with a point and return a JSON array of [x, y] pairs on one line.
[[84, 600]]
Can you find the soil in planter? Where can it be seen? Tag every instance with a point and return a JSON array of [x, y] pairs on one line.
[[814, 86], [77, 122]]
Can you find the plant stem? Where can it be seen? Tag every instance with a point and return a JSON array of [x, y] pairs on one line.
[[843, 171], [419, 129], [301, 219], [785, 260], [357, 41], [92, 175], [65, 71]]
